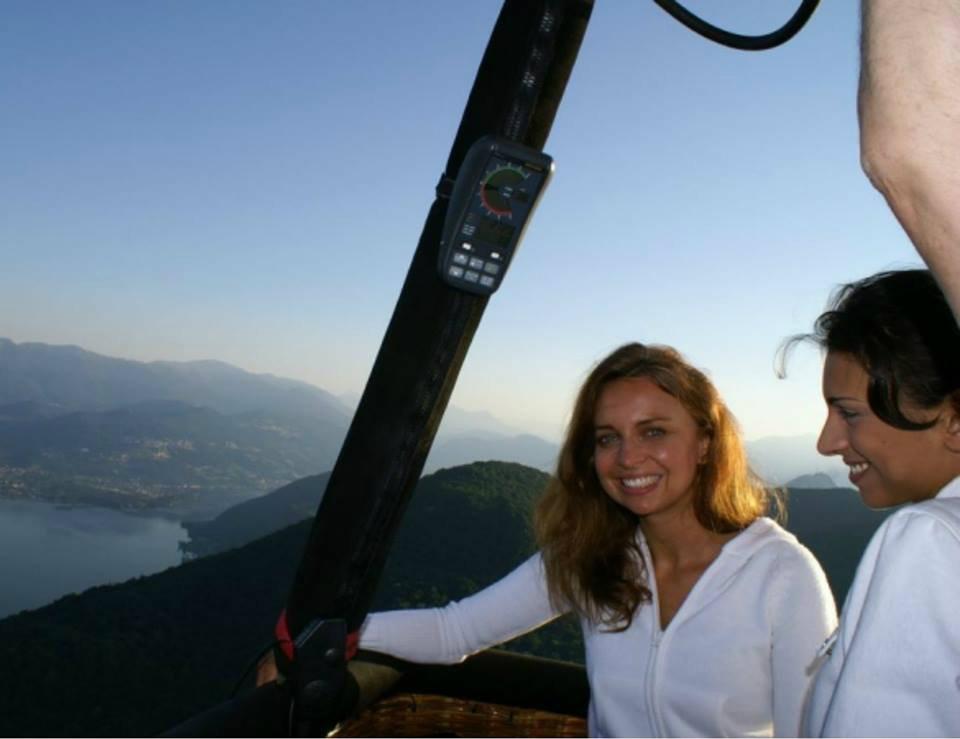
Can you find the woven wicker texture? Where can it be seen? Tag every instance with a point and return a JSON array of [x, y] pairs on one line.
[[413, 714]]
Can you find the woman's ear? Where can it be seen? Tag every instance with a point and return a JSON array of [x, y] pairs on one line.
[[703, 449], [952, 437]]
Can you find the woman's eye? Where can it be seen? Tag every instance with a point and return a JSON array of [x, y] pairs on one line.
[[653, 432], [605, 440], [847, 415]]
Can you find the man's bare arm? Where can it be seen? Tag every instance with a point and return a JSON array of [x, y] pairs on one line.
[[909, 105]]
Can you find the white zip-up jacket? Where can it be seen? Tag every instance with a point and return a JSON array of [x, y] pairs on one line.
[[894, 664], [734, 661]]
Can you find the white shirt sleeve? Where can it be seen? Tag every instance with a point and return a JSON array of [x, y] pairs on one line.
[[804, 614], [510, 607], [900, 637]]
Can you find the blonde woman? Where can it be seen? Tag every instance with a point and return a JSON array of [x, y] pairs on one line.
[[700, 616]]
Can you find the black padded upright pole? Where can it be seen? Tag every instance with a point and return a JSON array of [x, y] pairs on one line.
[[516, 93]]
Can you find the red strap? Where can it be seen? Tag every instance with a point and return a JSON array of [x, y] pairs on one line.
[[353, 641], [282, 632]]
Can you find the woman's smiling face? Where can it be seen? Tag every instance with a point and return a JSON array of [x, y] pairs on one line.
[[889, 466], [647, 447]]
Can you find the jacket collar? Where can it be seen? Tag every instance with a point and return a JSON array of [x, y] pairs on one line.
[[952, 490], [722, 571]]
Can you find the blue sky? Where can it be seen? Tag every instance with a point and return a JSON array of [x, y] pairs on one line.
[[247, 181]]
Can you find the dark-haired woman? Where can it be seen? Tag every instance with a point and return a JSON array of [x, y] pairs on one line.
[[700, 616], [891, 382]]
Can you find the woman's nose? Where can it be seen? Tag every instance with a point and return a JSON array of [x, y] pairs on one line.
[[833, 436], [631, 453]]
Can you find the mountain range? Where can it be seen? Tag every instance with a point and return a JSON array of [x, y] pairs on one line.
[[191, 437], [159, 453], [196, 437], [73, 379]]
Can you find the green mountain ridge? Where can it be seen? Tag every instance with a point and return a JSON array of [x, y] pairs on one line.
[[139, 657], [255, 518], [836, 526], [832, 522]]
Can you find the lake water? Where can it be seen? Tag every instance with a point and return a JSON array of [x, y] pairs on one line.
[[47, 551]]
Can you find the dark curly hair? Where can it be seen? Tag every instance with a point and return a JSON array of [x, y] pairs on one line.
[[899, 327]]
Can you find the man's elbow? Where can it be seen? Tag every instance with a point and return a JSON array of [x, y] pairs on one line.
[[893, 162], [885, 171]]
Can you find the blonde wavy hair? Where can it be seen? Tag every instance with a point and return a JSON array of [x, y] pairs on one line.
[[589, 542]]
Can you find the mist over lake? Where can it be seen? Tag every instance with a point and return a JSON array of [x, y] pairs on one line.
[[47, 551]]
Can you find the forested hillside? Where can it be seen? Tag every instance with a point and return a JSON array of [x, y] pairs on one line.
[[135, 658]]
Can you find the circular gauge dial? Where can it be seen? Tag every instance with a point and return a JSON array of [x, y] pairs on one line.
[[498, 188]]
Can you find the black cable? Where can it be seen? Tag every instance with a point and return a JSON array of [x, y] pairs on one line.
[[738, 41], [250, 666]]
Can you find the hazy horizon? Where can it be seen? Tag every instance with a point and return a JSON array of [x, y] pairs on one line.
[[778, 459], [352, 398]]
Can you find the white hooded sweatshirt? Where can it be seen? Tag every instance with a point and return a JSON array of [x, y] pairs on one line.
[[735, 660], [893, 667]]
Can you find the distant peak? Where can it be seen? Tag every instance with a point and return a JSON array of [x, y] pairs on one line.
[[818, 480]]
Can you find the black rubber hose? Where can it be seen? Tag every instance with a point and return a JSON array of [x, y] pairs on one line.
[[738, 41]]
